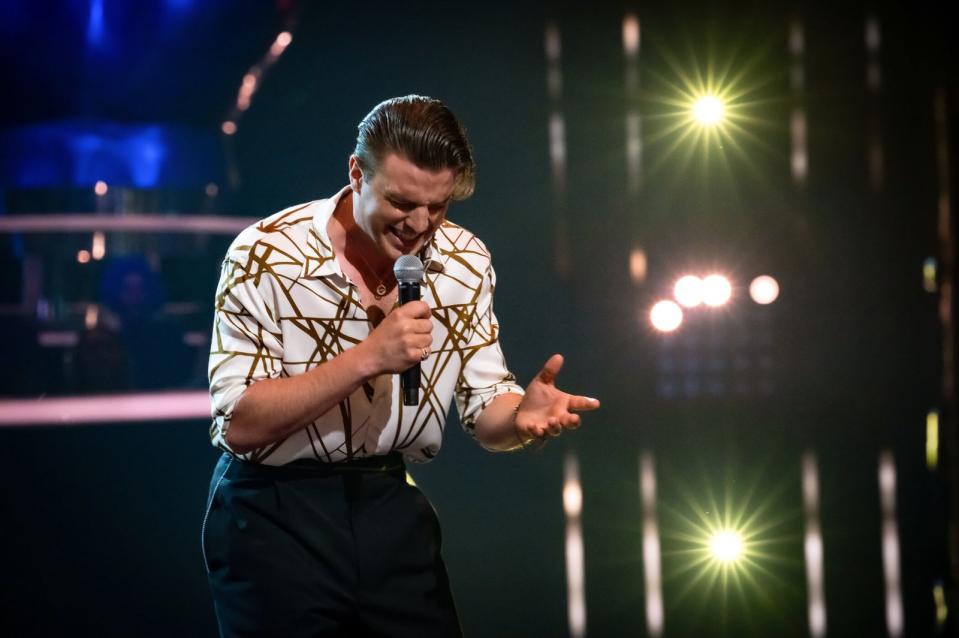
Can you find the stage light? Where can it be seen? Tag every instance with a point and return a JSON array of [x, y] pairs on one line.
[[83, 256], [282, 41], [630, 35], [228, 128], [726, 546], [688, 291], [764, 290], [101, 188], [932, 440], [666, 316], [708, 110], [98, 249], [929, 278], [212, 190], [716, 290], [638, 265], [91, 317]]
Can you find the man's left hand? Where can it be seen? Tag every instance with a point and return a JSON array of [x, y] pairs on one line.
[[546, 410]]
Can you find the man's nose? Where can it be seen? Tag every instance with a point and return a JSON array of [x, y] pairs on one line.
[[419, 220]]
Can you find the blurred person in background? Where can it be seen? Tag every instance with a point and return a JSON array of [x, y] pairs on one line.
[[133, 344]]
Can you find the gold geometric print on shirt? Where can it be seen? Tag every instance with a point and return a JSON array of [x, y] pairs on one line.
[[283, 306]]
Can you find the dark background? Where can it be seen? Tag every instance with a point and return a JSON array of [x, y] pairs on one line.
[[100, 528]]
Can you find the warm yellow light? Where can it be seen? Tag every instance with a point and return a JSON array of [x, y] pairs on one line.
[[666, 316], [637, 265], [726, 546], [942, 607], [932, 440], [709, 110], [929, 278]]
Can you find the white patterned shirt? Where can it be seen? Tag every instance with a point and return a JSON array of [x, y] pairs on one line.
[[284, 306]]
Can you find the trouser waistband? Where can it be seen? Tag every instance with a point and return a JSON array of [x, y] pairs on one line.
[[387, 464]]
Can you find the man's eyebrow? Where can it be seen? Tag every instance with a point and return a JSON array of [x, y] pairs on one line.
[[400, 199]]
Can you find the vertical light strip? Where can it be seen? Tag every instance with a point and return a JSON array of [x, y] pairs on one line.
[[557, 123], [942, 607], [799, 159], [813, 547], [932, 440], [949, 430], [946, 250], [890, 544], [557, 151], [575, 559], [557, 147], [652, 568], [634, 143], [873, 40], [98, 246]]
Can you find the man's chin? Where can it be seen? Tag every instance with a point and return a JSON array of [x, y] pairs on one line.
[[395, 248]]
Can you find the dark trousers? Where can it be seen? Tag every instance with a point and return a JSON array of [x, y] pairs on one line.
[[312, 549]]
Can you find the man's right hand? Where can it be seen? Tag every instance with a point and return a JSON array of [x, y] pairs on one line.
[[400, 340]]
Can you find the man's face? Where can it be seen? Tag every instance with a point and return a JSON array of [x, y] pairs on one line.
[[402, 205]]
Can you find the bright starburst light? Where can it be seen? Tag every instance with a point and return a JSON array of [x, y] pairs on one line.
[[709, 104], [708, 110], [728, 539], [726, 546]]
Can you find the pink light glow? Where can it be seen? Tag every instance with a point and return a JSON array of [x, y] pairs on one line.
[[125, 408]]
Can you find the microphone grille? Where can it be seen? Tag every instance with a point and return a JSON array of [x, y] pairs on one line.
[[408, 269]]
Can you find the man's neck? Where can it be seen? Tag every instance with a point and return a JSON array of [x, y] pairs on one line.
[[355, 245]]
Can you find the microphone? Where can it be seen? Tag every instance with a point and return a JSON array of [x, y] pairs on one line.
[[408, 270]]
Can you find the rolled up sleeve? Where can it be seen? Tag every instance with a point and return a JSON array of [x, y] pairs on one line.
[[247, 345], [484, 374]]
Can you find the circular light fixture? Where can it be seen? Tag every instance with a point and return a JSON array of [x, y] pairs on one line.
[[666, 316], [688, 291], [716, 290], [764, 290]]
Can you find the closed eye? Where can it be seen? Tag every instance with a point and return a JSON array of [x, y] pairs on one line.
[[406, 207]]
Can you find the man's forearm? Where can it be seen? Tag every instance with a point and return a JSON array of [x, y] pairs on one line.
[[496, 424], [272, 409]]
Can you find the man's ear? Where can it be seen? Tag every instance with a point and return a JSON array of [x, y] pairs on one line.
[[356, 174]]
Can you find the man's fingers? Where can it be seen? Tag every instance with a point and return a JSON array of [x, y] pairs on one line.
[[582, 404], [416, 309], [423, 326], [552, 367]]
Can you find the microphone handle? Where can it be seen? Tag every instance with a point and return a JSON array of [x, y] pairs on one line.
[[410, 378]]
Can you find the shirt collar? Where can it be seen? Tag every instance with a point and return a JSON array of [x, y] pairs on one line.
[[320, 259]]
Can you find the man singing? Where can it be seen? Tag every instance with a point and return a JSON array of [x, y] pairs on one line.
[[311, 528]]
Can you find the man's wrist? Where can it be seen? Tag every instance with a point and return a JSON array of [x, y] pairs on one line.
[[366, 362], [517, 432]]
